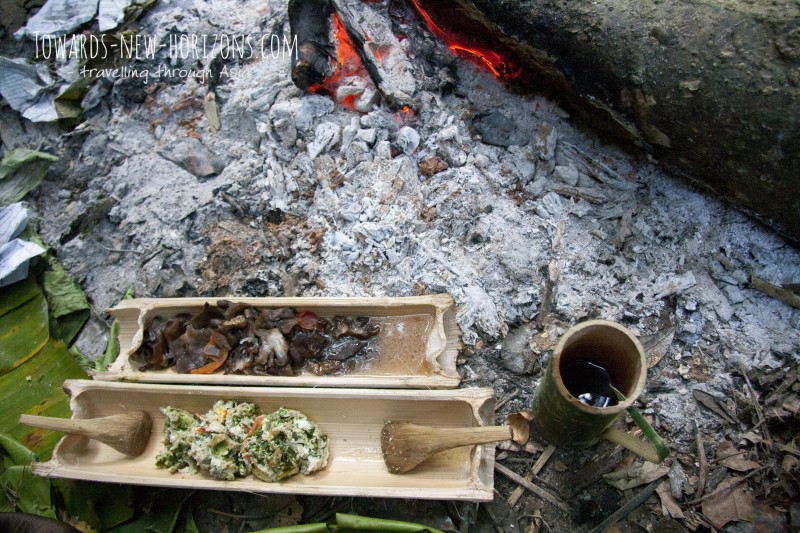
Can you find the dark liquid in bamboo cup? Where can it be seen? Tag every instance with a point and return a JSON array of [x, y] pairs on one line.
[[588, 355]]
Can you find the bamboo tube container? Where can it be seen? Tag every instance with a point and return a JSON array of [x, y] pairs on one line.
[[563, 420]]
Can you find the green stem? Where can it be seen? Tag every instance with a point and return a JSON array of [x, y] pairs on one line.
[[364, 523], [658, 443], [319, 527]]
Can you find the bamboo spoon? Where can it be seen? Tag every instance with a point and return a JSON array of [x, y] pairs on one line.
[[127, 433], [406, 445]]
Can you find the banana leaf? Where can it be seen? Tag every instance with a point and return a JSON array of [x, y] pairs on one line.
[[33, 366], [24, 330], [102, 506], [21, 490], [164, 508], [35, 387], [68, 306], [21, 171]]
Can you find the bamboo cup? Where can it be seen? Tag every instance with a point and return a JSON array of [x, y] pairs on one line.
[[563, 420]]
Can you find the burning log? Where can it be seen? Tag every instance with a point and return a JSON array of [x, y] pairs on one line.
[[380, 51], [309, 22], [708, 91]]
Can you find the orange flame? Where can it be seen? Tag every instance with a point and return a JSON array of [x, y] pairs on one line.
[[347, 64], [500, 66]]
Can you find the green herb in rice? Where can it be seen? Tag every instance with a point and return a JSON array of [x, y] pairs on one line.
[[231, 441]]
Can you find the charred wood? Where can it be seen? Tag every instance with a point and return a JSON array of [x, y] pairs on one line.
[[309, 22], [380, 51]]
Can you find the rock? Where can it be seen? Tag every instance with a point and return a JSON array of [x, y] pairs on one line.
[[499, 130], [194, 157], [568, 174]]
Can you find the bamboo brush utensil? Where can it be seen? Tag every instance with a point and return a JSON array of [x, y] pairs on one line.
[[406, 445], [127, 433]]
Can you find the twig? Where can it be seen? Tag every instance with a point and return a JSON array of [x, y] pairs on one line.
[[505, 399], [626, 509], [543, 494], [736, 481], [701, 458], [786, 296], [706, 520], [537, 467], [756, 405]]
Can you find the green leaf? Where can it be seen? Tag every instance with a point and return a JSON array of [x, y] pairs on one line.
[[35, 387], [14, 453], [68, 304], [21, 490], [163, 509], [655, 439], [101, 505], [21, 171], [17, 294], [23, 332], [25, 492], [112, 348]]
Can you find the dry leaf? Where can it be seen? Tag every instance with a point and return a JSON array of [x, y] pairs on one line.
[[636, 475], [729, 457], [768, 520], [520, 424], [790, 464], [714, 404], [669, 507], [657, 345], [729, 503]]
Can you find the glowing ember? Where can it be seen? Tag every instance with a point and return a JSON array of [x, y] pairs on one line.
[[347, 64], [404, 115], [491, 56]]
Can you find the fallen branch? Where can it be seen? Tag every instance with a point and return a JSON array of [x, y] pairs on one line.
[[626, 509], [539, 491], [537, 467], [786, 296]]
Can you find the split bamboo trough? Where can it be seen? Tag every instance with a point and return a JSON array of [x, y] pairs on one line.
[[352, 419], [418, 343]]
